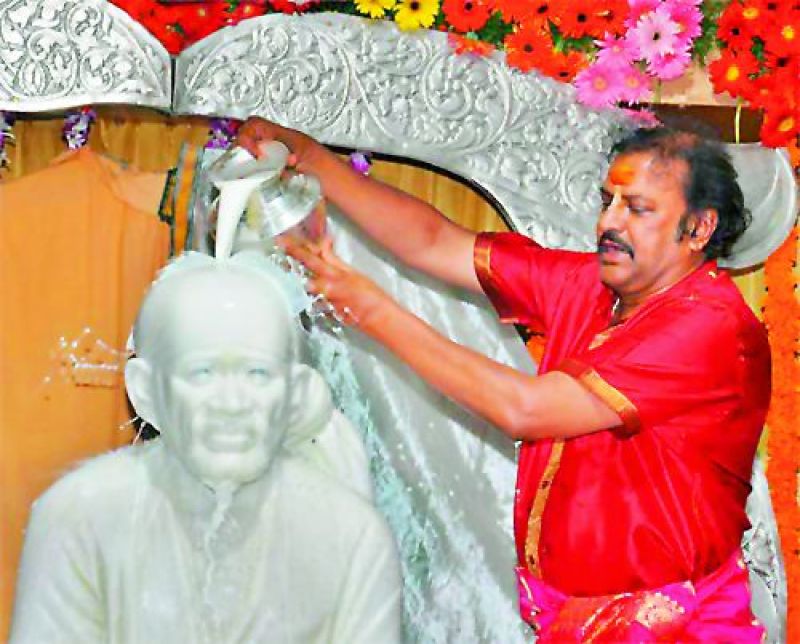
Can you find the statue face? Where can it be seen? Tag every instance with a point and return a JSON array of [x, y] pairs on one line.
[[223, 378]]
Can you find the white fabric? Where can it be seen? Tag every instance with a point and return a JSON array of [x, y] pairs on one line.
[[457, 473], [129, 549]]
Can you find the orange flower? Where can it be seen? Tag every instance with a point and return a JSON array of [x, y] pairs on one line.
[[526, 47], [781, 314], [733, 29], [538, 12], [466, 15], [782, 35], [245, 10], [578, 18], [780, 126], [563, 67], [512, 10], [464, 45], [732, 72], [287, 6], [610, 18]]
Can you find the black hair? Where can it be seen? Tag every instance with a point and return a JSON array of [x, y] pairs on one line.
[[710, 182]]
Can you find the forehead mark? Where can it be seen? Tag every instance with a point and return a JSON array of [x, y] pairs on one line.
[[621, 174]]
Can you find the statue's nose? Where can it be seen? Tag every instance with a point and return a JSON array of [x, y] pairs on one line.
[[231, 395]]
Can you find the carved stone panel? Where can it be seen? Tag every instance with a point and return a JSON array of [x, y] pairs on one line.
[[56, 54], [366, 84]]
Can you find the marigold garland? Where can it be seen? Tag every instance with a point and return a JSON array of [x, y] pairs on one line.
[[782, 318]]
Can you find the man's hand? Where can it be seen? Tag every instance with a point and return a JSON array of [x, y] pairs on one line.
[[357, 300], [256, 131]]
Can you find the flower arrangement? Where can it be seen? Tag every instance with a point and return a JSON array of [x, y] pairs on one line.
[[76, 128], [615, 52], [760, 63], [782, 317], [221, 133]]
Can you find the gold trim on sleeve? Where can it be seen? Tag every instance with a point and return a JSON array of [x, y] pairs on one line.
[[614, 398], [482, 257], [537, 509]]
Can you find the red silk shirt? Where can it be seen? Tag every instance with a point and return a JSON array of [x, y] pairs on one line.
[[661, 498]]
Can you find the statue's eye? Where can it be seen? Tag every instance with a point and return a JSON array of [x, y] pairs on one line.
[[258, 374], [201, 374]]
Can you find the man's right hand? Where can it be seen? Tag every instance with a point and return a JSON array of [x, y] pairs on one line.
[[413, 230], [256, 131]]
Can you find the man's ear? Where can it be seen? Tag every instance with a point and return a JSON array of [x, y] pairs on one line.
[[140, 387], [702, 227], [310, 405]]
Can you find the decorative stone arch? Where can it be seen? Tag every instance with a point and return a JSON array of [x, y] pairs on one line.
[[60, 54], [355, 83]]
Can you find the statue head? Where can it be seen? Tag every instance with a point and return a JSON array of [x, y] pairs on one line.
[[216, 368]]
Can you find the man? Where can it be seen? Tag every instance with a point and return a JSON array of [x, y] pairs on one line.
[[233, 526], [640, 431]]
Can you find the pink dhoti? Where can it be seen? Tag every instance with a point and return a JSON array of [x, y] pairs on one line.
[[714, 609]]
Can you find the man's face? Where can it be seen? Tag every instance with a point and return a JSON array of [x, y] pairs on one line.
[[223, 385], [640, 247]]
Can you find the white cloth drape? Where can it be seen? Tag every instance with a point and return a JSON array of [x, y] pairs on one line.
[[456, 473]]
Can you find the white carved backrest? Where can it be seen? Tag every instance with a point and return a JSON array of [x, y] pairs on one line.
[[56, 54], [357, 83]]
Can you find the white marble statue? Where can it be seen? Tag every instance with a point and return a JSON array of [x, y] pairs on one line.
[[248, 520]]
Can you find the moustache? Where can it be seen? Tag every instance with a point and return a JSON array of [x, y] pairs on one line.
[[610, 240]]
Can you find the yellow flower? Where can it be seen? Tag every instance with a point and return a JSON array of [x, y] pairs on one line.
[[413, 14], [374, 8]]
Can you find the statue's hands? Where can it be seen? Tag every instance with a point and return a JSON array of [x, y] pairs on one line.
[[257, 131], [357, 300]]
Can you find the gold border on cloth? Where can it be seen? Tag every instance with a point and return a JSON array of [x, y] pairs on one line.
[[537, 509], [482, 257], [613, 397]]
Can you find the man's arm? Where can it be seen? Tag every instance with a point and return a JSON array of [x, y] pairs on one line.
[[414, 231], [523, 407]]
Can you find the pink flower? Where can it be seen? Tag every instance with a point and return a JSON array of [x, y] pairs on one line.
[[656, 34], [634, 84], [687, 15], [637, 9], [643, 118], [599, 85], [615, 52], [670, 66]]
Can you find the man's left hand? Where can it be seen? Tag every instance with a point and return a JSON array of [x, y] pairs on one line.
[[357, 300]]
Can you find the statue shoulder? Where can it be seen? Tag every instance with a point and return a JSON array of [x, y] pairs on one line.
[[94, 483]]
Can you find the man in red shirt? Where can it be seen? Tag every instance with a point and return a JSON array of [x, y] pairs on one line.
[[640, 430]]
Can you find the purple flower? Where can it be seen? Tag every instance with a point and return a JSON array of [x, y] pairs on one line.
[[221, 133], [643, 118], [360, 162], [6, 136], [75, 131]]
